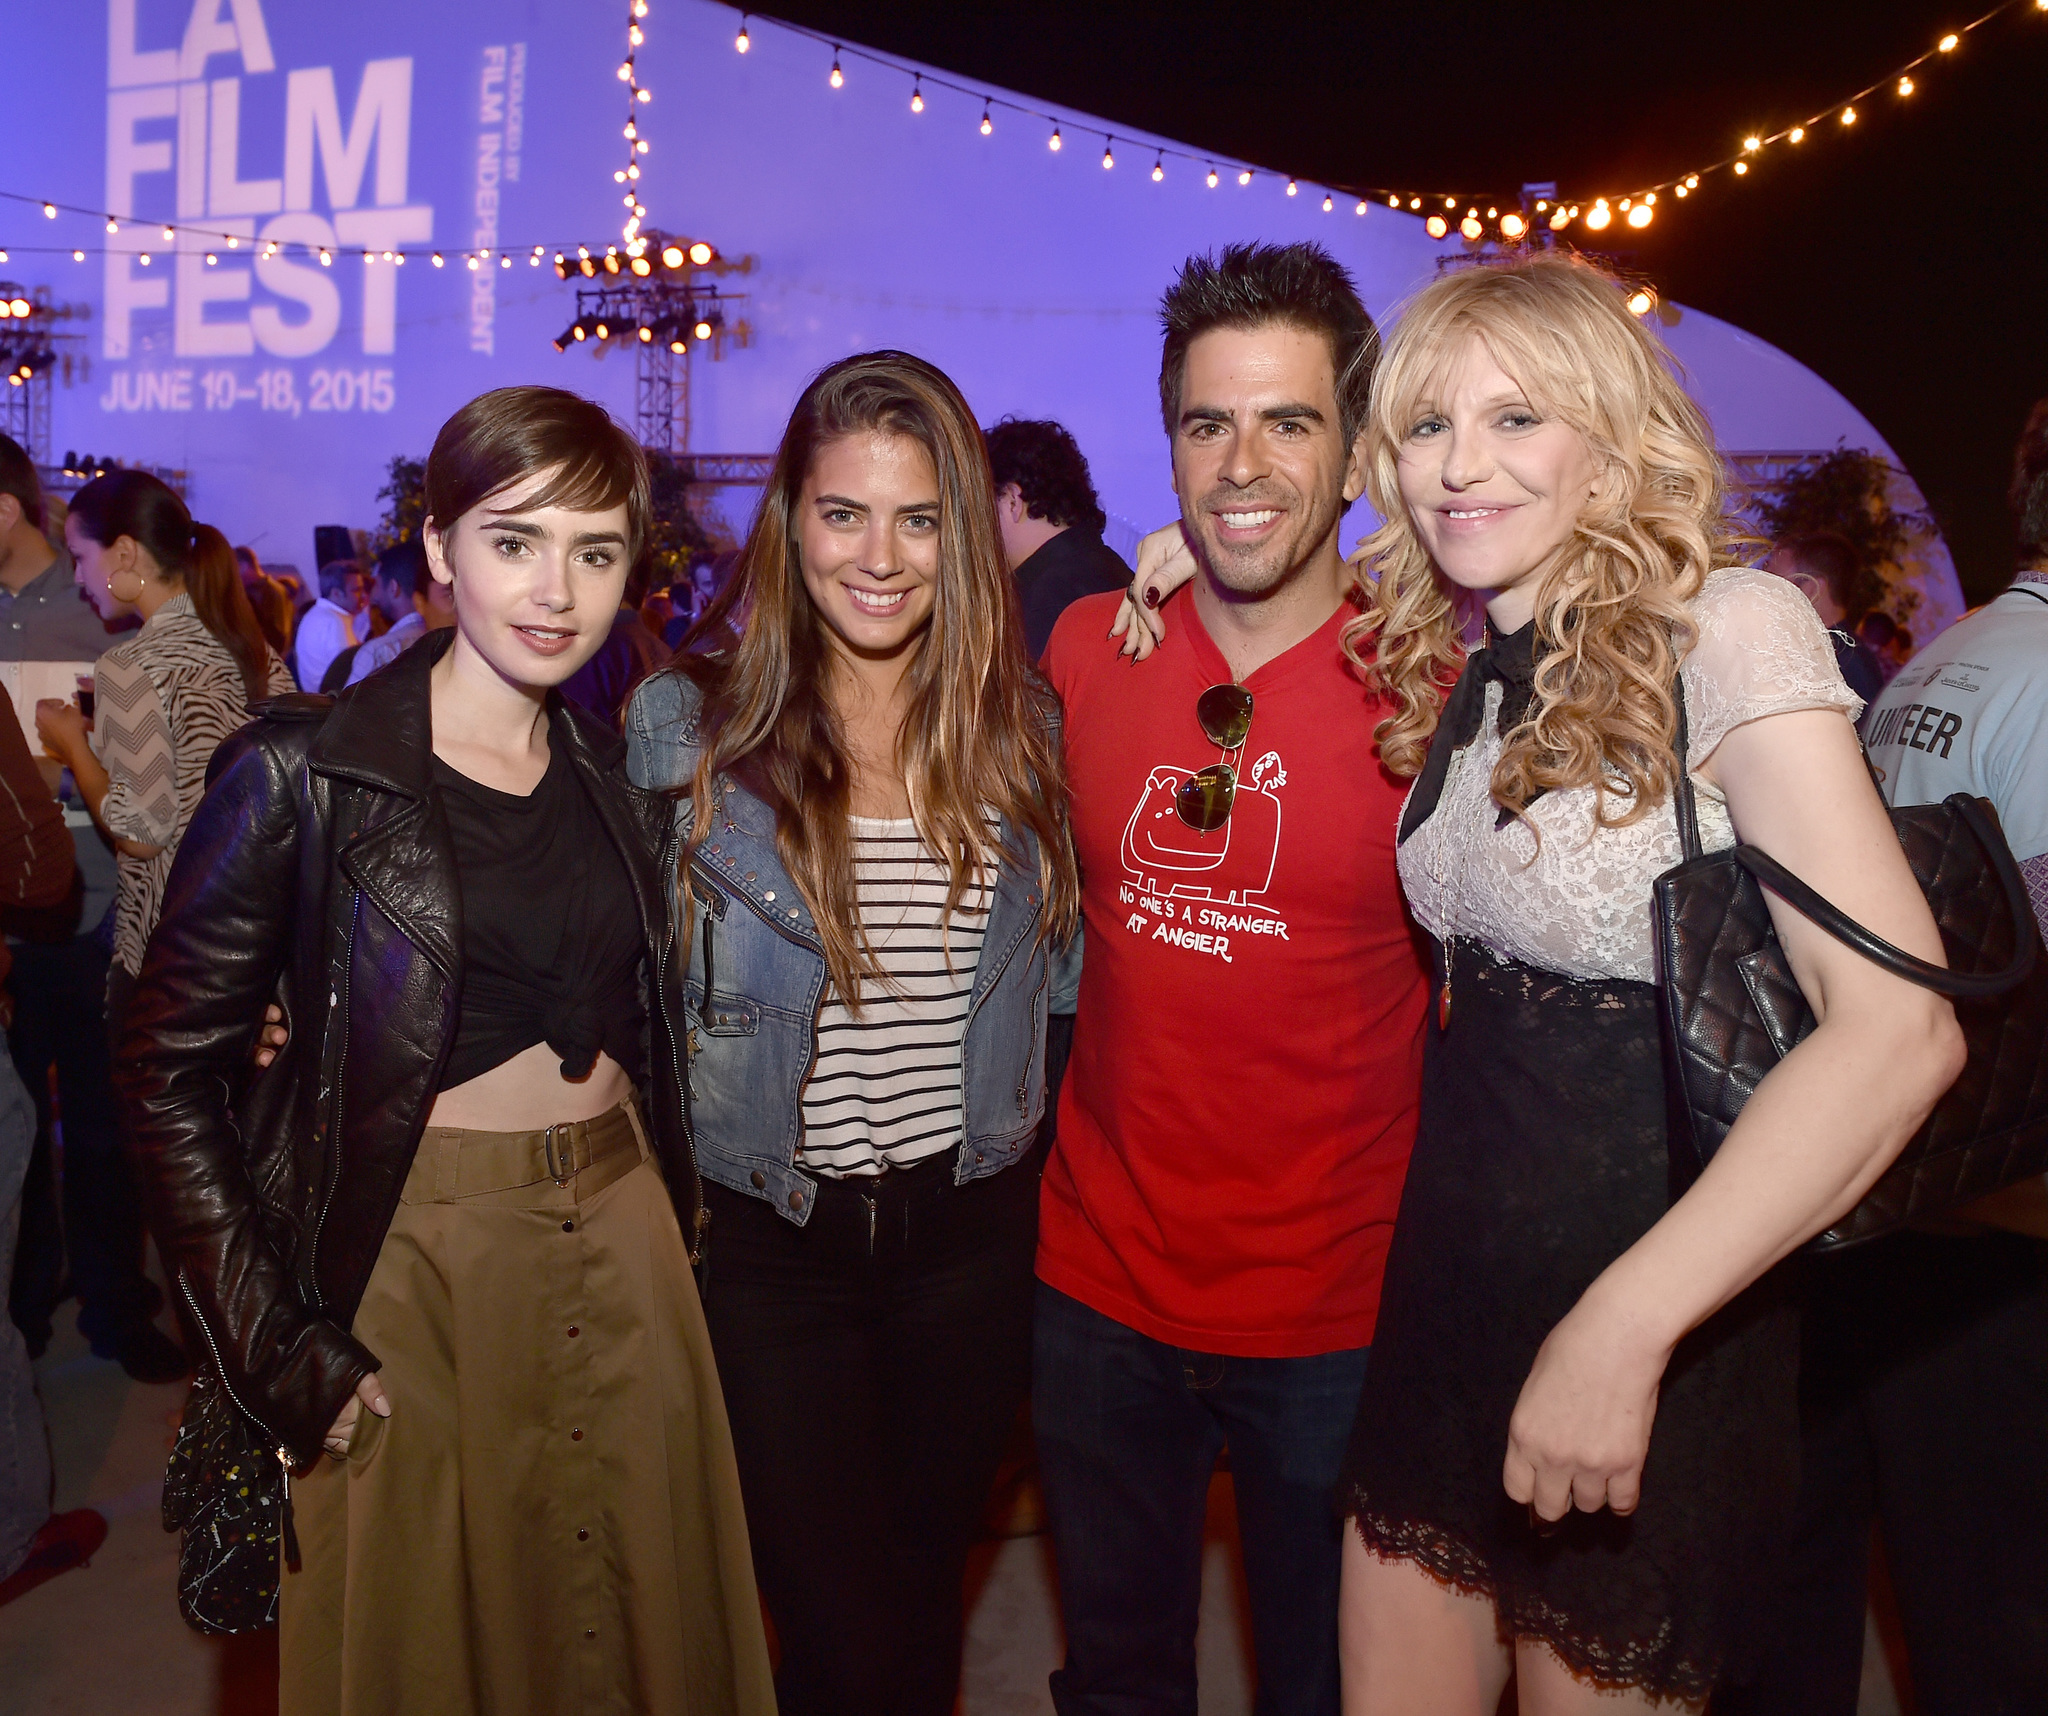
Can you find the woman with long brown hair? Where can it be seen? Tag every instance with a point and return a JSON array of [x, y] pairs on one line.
[[1577, 1443], [875, 864], [164, 698]]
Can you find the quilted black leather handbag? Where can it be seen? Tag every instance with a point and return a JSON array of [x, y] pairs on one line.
[[1732, 1009]]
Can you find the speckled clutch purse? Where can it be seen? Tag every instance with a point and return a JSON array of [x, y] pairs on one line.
[[227, 1491]]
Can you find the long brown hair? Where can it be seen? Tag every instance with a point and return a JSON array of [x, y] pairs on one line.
[[1611, 619], [978, 733], [137, 505]]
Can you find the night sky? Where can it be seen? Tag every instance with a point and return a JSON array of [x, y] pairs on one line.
[[1904, 259]]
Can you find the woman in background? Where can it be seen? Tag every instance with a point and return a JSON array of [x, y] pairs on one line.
[[875, 860], [165, 697]]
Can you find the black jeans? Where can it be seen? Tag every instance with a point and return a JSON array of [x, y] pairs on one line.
[[60, 1012], [1924, 1395], [873, 1362], [1128, 1433]]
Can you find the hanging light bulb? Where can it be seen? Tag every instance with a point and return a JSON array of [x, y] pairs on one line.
[[1512, 225], [1848, 116], [1947, 44], [1641, 301], [326, 259], [1560, 219], [1741, 167], [1053, 142], [1752, 144], [702, 330], [1493, 214], [233, 242], [1796, 135], [1212, 178], [1158, 168], [917, 96], [78, 256], [1599, 216], [113, 226], [1245, 177], [1361, 205], [987, 124], [1436, 226], [838, 79], [1641, 215], [49, 211], [701, 254], [742, 42], [1329, 202], [1470, 226], [643, 95], [1692, 181], [1108, 159], [1679, 191], [1293, 189]]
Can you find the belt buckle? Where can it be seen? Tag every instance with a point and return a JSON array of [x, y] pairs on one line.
[[564, 1170]]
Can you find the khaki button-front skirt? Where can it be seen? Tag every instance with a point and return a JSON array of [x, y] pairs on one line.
[[549, 1521]]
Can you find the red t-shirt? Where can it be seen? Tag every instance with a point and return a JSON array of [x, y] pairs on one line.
[[1236, 1120]]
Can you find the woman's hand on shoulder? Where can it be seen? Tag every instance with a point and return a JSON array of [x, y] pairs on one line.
[[1165, 563]]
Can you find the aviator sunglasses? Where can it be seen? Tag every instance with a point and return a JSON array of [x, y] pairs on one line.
[[1205, 797]]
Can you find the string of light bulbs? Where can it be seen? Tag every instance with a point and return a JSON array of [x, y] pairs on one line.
[[1507, 217], [637, 96]]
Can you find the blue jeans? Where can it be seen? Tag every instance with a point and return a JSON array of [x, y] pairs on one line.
[[1128, 1433]]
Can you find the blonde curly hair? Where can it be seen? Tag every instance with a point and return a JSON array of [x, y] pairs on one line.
[[1611, 621]]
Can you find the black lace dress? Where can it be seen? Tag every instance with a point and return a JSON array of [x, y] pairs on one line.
[[1541, 1157]]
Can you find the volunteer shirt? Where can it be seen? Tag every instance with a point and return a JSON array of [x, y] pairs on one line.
[[1969, 713], [1236, 1120]]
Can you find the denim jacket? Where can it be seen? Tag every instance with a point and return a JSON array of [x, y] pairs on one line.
[[756, 975]]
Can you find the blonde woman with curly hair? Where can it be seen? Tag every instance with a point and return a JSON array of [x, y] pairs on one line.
[[1577, 1444]]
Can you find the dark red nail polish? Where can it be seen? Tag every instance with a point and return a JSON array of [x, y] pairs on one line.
[[1151, 597]]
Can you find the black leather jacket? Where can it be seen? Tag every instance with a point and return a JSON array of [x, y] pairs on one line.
[[319, 871]]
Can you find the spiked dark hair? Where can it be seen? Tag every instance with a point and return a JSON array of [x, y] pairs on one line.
[[1251, 285]]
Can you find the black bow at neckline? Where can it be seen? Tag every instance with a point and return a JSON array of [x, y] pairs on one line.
[[1510, 660]]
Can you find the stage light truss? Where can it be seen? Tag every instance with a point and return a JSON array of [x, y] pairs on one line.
[[666, 304], [32, 353]]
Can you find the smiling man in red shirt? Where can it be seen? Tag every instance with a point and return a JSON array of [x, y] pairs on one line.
[[1237, 1117]]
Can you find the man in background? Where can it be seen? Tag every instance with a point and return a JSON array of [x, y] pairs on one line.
[[1832, 576], [331, 624], [628, 655], [412, 602], [1924, 1376], [49, 637], [1051, 524]]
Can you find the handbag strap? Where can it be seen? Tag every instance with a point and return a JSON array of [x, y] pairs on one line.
[[1682, 799], [1958, 985]]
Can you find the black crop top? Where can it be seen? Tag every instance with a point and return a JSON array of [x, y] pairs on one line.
[[551, 941]]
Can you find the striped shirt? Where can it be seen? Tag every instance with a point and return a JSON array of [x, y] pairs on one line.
[[167, 696], [885, 1090]]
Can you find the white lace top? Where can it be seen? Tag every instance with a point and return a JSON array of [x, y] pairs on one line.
[[1579, 903]]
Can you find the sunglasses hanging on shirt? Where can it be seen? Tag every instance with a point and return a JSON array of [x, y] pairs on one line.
[[1206, 796]]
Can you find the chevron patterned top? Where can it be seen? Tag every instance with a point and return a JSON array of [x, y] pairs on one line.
[[167, 696]]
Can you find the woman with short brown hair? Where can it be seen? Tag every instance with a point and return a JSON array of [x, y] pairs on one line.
[[435, 1248]]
